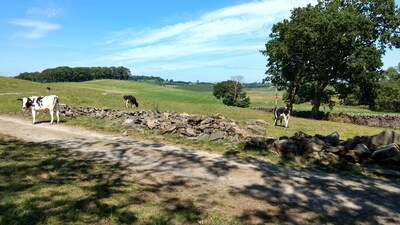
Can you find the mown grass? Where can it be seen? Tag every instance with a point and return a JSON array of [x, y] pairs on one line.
[[46, 184]]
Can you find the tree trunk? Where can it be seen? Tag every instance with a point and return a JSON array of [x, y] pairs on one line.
[[315, 108], [316, 103]]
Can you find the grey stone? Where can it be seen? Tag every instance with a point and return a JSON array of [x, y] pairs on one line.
[[256, 142], [332, 139], [384, 138], [257, 129], [386, 152], [216, 135], [285, 146], [315, 145]]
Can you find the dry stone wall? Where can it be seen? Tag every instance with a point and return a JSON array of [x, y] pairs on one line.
[[382, 148], [389, 121], [214, 127]]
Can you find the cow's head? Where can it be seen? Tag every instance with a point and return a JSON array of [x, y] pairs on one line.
[[26, 102]]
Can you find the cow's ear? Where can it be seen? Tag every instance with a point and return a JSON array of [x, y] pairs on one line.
[[19, 99]]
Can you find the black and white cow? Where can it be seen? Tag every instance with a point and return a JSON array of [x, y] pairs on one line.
[[41, 104], [129, 99], [282, 113]]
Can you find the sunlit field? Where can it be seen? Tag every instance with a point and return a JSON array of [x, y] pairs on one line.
[[192, 99]]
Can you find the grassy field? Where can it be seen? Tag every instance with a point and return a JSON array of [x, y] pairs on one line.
[[192, 99], [45, 184]]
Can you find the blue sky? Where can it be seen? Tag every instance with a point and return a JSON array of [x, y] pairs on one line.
[[189, 40]]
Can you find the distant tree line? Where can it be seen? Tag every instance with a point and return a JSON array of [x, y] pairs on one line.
[[157, 80], [76, 74]]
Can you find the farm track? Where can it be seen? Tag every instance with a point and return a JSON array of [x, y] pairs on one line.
[[253, 187]]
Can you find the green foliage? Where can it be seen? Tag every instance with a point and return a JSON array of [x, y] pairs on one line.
[[232, 94], [337, 43], [306, 94], [225, 88], [389, 96], [156, 80], [76, 74], [389, 91]]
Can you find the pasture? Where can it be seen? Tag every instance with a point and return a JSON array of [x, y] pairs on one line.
[[191, 99], [43, 183]]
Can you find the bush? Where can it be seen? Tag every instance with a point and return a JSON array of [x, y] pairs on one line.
[[389, 96]]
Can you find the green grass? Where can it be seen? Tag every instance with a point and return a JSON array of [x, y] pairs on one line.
[[192, 99], [45, 184]]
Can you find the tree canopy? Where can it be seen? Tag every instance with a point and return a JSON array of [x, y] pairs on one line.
[[232, 94], [336, 43], [76, 74], [389, 90]]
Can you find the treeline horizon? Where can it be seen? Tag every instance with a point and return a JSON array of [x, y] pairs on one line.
[[76, 74], [79, 74]]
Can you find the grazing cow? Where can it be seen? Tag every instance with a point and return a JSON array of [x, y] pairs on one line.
[[129, 99], [41, 104], [48, 89], [282, 113]]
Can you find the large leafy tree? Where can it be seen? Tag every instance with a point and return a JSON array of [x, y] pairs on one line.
[[336, 43]]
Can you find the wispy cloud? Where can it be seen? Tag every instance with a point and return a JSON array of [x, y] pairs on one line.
[[238, 29], [36, 29], [46, 12]]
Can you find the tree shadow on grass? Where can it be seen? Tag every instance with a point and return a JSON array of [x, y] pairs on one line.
[[45, 184]]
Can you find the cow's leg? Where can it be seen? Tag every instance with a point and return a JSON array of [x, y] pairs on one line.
[[52, 116], [33, 116], [286, 120], [58, 115]]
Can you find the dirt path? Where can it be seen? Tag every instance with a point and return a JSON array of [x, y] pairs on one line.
[[303, 194]]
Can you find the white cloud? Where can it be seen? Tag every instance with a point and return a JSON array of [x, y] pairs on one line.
[[238, 29], [46, 12], [37, 29]]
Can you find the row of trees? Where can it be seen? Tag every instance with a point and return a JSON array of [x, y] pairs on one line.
[[76, 74], [334, 47]]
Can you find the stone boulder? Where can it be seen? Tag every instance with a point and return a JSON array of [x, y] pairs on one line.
[[360, 153], [286, 147], [384, 138], [257, 129], [386, 152], [332, 139], [315, 144], [259, 142]]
